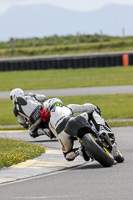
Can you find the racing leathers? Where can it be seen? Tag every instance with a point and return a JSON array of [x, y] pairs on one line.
[[27, 109], [61, 116]]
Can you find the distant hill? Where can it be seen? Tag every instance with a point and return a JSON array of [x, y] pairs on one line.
[[44, 20]]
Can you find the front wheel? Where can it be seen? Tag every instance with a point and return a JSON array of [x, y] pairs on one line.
[[100, 154], [119, 158]]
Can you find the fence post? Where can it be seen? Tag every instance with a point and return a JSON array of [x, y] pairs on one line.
[[12, 43], [101, 36], [78, 39], [123, 34], [55, 41], [33, 43]]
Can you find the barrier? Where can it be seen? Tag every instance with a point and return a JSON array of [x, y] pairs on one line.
[[125, 60], [68, 61]]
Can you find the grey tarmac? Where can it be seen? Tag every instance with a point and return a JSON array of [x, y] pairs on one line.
[[51, 177], [121, 89]]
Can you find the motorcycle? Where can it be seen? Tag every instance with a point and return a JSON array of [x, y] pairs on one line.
[[102, 148]]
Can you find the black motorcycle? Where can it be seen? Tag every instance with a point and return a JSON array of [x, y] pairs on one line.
[[102, 148]]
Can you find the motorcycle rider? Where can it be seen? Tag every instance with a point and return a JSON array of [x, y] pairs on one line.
[[62, 124], [27, 109], [58, 116]]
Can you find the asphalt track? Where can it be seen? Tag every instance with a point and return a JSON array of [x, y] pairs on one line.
[[122, 89], [51, 177]]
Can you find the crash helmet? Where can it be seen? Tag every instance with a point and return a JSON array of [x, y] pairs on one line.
[[15, 93], [51, 103]]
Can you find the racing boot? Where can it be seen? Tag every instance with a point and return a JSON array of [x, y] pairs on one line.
[[46, 132], [81, 151]]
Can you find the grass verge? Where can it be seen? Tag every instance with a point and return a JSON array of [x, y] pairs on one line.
[[120, 124], [118, 106], [13, 152], [66, 78]]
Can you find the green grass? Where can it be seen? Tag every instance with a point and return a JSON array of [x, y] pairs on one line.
[[120, 124], [113, 106], [10, 128], [18, 152], [67, 49], [69, 78], [65, 45], [60, 40]]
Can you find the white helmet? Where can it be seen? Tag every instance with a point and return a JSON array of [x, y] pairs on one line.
[[51, 103], [15, 93]]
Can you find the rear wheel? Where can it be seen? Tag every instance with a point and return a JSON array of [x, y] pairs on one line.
[[100, 154]]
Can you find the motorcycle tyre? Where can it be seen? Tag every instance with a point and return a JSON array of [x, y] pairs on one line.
[[96, 151], [120, 158]]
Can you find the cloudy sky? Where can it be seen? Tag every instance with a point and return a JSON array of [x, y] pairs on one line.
[[82, 5]]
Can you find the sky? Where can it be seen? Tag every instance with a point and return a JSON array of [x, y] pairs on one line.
[[78, 5]]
